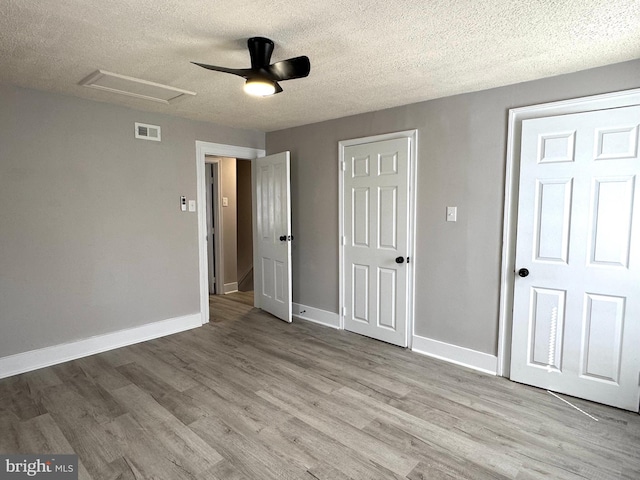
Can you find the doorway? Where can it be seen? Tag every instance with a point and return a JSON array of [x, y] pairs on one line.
[[229, 225], [204, 150], [213, 216]]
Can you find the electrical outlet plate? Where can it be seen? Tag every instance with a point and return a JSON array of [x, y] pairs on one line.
[[452, 214]]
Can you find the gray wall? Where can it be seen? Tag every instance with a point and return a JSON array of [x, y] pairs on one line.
[[245, 227], [229, 220], [92, 239], [461, 162]]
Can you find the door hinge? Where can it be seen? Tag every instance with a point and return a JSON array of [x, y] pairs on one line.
[[344, 311], [343, 240], [343, 166]]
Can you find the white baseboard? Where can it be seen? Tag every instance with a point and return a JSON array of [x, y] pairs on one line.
[[230, 287], [459, 355], [45, 357], [315, 315]]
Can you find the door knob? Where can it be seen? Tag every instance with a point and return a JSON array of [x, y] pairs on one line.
[[523, 272], [283, 238], [399, 259]]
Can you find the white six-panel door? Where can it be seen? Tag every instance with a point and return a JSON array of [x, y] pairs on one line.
[[576, 319], [376, 226], [272, 223]]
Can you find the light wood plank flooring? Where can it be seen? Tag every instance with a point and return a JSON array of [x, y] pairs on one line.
[[250, 397], [229, 307]]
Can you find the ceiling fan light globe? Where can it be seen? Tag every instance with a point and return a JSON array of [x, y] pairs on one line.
[[259, 87]]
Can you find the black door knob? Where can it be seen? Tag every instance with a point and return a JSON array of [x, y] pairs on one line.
[[523, 272], [399, 259], [283, 238]]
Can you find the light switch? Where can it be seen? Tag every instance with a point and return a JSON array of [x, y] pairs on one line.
[[192, 205], [225, 201], [452, 214]]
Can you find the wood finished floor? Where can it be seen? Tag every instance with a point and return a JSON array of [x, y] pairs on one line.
[[225, 307], [249, 397]]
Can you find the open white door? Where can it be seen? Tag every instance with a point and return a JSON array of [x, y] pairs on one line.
[[576, 315], [272, 224]]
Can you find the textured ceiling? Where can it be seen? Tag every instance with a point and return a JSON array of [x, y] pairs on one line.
[[365, 55]]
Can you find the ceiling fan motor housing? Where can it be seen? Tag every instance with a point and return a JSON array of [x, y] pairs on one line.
[[260, 50]]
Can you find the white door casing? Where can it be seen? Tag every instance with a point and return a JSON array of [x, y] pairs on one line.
[[272, 227], [202, 150], [576, 316], [376, 227]]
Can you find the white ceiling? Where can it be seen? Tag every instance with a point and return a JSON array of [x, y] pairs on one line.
[[365, 54]]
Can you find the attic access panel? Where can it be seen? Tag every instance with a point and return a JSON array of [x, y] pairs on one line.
[[134, 87]]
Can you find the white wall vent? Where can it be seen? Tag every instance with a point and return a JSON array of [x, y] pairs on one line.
[[148, 132]]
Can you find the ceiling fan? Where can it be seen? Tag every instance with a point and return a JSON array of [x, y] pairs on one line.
[[262, 78]]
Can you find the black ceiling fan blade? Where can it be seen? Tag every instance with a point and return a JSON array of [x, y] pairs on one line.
[[297, 67], [278, 88], [241, 72]]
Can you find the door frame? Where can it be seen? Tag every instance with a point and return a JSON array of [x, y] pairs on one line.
[[412, 135], [625, 98], [219, 150], [216, 209]]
